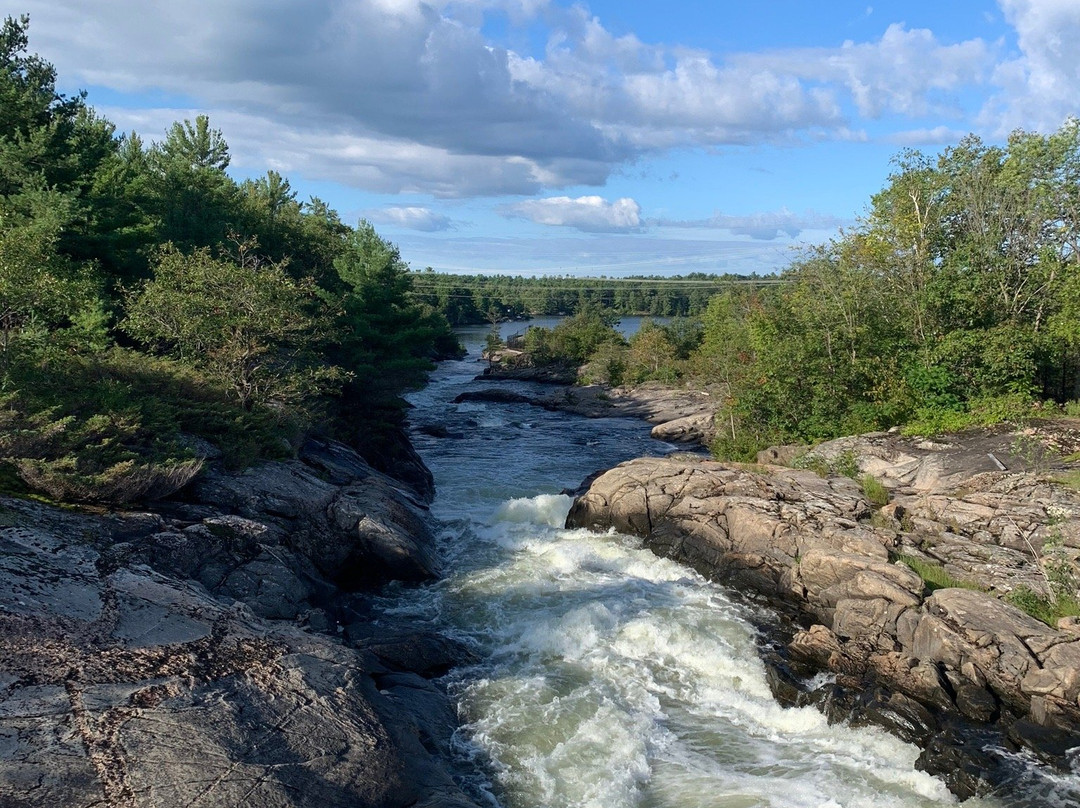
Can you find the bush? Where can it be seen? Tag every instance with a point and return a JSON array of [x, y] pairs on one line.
[[123, 427], [874, 491]]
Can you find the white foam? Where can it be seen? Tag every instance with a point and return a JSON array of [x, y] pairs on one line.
[[614, 678], [545, 509]]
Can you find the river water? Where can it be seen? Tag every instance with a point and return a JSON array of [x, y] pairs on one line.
[[610, 678]]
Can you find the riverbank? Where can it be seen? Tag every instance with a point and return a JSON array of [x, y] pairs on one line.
[[679, 415], [217, 648], [905, 602]]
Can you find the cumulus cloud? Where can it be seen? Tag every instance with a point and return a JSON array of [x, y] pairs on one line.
[[906, 72], [1040, 88], [592, 214], [765, 226], [412, 218], [410, 95]]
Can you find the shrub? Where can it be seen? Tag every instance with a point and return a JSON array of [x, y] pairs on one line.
[[874, 491], [121, 427]]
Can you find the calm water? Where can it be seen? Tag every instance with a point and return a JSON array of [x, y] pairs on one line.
[[611, 677]]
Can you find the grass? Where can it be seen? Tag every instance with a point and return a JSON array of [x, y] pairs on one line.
[[1048, 610], [845, 464], [1045, 609], [874, 491], [1070, 479], [935, 577]]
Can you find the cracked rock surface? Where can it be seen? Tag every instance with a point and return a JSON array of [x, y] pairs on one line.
[[190, 657]]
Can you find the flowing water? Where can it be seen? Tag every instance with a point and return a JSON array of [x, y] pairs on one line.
[[610, 677]]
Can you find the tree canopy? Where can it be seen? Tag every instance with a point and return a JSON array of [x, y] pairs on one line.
[[149, 301]]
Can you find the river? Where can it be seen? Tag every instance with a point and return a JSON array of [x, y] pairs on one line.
[[610, 678]]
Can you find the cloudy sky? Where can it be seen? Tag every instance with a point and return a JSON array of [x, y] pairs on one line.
[[550, 136]]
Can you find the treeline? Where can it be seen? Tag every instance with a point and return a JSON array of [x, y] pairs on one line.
[[473, 299], [154, 312], [956, 302]]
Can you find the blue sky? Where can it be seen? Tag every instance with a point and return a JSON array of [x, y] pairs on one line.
[[542, 136]]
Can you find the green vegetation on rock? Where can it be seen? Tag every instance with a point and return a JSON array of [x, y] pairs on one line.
[[156, 314]]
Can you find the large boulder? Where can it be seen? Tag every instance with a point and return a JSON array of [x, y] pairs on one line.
[[328, 513], [126, 687]]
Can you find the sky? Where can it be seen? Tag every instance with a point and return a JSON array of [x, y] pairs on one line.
[[613, 137]]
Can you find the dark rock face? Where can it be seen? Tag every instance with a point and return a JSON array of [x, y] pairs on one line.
[[495, 395], [963, 658], [175, 658]]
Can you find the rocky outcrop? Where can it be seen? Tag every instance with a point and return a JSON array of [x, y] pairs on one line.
[[208, 653], [517, 366], [815, 547]]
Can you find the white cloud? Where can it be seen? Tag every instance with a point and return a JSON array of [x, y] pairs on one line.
[[765, 226], [592, 214], [412, 218], [1040, 88], [408, 95], [906, 72]]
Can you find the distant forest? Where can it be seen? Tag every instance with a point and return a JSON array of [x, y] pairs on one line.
[[472, 299]]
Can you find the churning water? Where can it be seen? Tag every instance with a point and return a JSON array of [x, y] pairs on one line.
[[609, 677]]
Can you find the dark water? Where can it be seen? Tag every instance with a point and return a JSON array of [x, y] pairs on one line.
[[611, 677]]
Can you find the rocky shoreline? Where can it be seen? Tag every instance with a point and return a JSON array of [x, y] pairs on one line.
[[953, 668], [679, 415], [215, 649]]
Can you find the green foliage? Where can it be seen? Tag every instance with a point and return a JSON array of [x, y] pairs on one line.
[[93, 412], [387, 340], [247, 323], [574, 340], [493, 342], [466, 299], [1047, 609], [874, 491], [240, 351], [1070, 479], [978, 412], [934, 576], [842, 464], [607, 364], [652, 354], [954, 304]]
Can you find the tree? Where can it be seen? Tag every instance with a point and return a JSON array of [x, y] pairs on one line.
[[246, 322], [38, 288], [385, 339], [652, 353], [197, 203]]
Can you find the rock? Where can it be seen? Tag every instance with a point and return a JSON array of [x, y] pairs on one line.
[[976, 703], [965, 767], [696, 428], [127, 687], [494, 395], [560, 374], [425, 654], [351, 525], [781, 455], [814, 545]]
